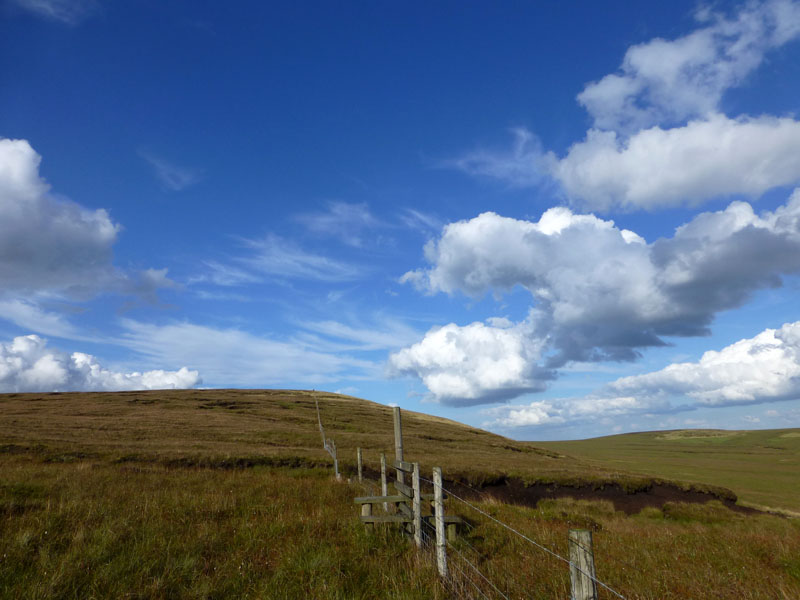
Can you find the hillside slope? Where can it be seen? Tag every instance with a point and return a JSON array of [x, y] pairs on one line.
[[761, 467], [236, 428]]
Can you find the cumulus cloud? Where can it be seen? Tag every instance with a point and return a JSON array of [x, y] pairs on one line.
[[48, 243], [659, 137], [667, 81], [760, 369], [51, 245], [765, 368], [28, 365], [474, 364], [657, 168], [598, 292]]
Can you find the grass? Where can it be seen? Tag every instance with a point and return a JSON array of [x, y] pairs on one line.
[[760, 466], [226, 494], [91, 530]]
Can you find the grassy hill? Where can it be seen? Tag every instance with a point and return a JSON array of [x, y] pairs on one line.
[[761, 467], [228, 494]]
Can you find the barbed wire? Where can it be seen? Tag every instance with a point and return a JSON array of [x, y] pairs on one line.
[[534, 543]]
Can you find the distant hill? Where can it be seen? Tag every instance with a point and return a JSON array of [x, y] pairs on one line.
[[762, 467]]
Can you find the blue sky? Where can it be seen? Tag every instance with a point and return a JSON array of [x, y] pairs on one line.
[[553, 220]]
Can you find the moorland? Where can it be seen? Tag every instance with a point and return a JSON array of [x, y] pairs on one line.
[[229, 494]]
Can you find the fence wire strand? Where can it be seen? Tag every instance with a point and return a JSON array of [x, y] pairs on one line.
[[525, 537]]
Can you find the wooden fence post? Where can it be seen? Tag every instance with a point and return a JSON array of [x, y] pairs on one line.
[[417, 506], [438, 504], [360, 467], [384, 489], [581, 565], [335, 455], [398, 441]]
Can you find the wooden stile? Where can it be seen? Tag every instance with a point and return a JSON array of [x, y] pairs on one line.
[[402, 488], [366, 511], [405, 467]]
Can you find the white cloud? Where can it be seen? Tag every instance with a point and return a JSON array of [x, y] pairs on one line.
[[474, 364], [50, 246], [31, 317], [666, 81], [760, 369], [765, 368], [232, 356], [172, 176], [45, 243], [69, 12], [599, 293], [27, 365], [657, 168], [659, 137]]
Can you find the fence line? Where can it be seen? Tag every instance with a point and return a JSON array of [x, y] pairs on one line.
[[407, 505], [536, 544]]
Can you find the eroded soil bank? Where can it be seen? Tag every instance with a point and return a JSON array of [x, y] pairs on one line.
[[514, 491]]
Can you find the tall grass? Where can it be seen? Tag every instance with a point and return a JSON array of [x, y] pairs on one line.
[[91, 530], [683, 551]]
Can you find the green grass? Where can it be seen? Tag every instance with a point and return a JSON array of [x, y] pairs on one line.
[[761, 467]]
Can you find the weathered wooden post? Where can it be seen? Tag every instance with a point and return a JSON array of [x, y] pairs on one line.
[[366, 511], [384, 488], [581, 565], [360, 467], [398, 441], [438, 511], [335, 454], [416, 503]]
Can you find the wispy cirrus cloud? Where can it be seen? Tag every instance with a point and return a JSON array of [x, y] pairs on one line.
[[172, 176], [68, 12], [276, 256], [351, 224], [230, 356], [525, 164]]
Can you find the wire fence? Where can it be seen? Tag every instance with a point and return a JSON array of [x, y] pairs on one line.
[[480, 574], [549, 551]]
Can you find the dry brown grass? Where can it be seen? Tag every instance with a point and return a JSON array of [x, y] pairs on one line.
[[146, 495]]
